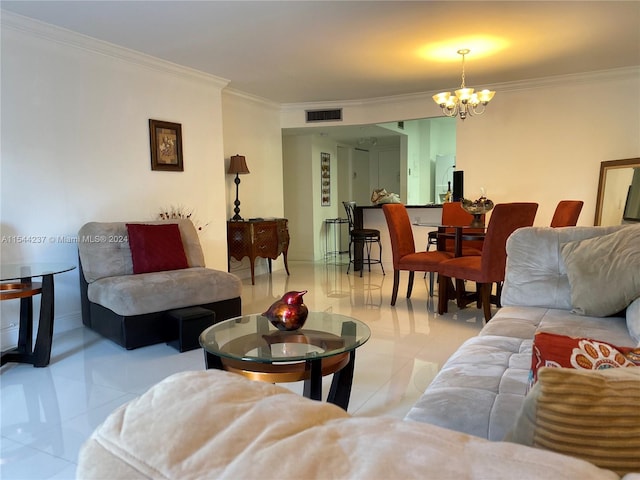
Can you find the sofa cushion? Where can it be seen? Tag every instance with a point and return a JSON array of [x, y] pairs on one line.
[[604, 272], [156, 248], [216, 424], [633, 319], [561, 351], [479, 389], [592, 415], [104, 248], [159, 291], [535, 275]]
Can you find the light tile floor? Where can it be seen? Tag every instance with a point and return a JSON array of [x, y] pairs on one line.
[[47, 413]]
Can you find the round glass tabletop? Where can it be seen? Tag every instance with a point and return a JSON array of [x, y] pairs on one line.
[[254, 338], [16, 271]]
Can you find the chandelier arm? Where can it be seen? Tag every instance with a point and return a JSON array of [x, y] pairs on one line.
[[450, 112], [477, 110]]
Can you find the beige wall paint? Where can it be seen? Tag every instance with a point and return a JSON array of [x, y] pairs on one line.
[[75, 148], [545, 145], [542, 141], [252, 128], [302, 194]]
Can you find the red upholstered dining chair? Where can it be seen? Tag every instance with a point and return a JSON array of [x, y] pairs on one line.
[[405, 256], [567, 213], [488, 268], [453, 215]]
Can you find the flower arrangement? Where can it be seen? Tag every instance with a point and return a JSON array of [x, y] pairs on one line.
[[179, 212]]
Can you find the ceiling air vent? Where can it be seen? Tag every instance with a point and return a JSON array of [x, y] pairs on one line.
[[324, 115]]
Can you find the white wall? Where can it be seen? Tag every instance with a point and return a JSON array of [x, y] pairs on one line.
[[252, 128], [539, 141], [302, 184], [298, 195], [75, 148], [545, 145]]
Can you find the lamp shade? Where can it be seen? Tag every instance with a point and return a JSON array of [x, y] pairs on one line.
[[238, 165]]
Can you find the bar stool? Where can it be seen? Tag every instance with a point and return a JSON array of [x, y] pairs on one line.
[[365, 237], [336, 225]]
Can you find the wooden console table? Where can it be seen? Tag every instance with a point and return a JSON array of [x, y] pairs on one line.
[[258, 238]]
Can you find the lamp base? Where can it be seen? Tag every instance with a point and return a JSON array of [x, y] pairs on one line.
[[236, 210]]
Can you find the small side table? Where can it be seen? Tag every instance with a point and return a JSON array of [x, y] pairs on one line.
[[266, 238], [17, 284]]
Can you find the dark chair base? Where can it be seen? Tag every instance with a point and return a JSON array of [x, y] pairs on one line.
[[142, 330], [482, 296], [148, 329], [366, 259]]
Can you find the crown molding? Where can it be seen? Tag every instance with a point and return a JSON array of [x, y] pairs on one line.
[[543, 82], [62, 36], [252, 98]]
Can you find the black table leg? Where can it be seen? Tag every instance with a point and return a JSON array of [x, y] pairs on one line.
[[212, 361], [313, 385], [340, 391], [40, 356], [44, 338]]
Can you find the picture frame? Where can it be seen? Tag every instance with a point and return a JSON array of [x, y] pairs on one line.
[[325, 179], [166, 146]]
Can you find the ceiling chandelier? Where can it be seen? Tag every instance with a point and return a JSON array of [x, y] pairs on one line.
[[464, 102]]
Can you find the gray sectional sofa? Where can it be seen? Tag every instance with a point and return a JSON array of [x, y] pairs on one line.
[[481, 388], [457, 428], [136, 310]]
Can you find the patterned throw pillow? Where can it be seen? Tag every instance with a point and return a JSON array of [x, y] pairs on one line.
[[587, 414], [551, 350]]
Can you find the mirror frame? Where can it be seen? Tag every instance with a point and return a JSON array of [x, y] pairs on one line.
[[604, 168]]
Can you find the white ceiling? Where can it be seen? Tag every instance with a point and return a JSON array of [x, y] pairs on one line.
[[315, 51]]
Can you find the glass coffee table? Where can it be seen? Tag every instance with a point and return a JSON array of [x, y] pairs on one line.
[[251, 346]]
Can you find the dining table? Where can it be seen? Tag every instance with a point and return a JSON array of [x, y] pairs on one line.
[[458, 233]]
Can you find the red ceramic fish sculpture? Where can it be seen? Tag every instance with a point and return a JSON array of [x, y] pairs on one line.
[[288, 313]]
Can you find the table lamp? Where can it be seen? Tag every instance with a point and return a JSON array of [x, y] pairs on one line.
[[237, 165]]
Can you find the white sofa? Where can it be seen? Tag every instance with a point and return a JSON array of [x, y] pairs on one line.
[[235, 428], [215, 424]]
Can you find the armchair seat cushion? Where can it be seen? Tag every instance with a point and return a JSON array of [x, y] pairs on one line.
[[138, 294]]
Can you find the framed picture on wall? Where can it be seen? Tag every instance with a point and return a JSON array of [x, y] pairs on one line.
[[166, 146], [325, 178]]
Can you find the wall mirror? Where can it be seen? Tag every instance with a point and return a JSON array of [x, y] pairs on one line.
[[618, 192]]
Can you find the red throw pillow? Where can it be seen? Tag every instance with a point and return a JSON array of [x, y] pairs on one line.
[[551, 350], [156, 248]]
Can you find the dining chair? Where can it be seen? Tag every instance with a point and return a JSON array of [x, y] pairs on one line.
[[487, 268], [403, 247], [453, 215], [361, 236], [567, 213]]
